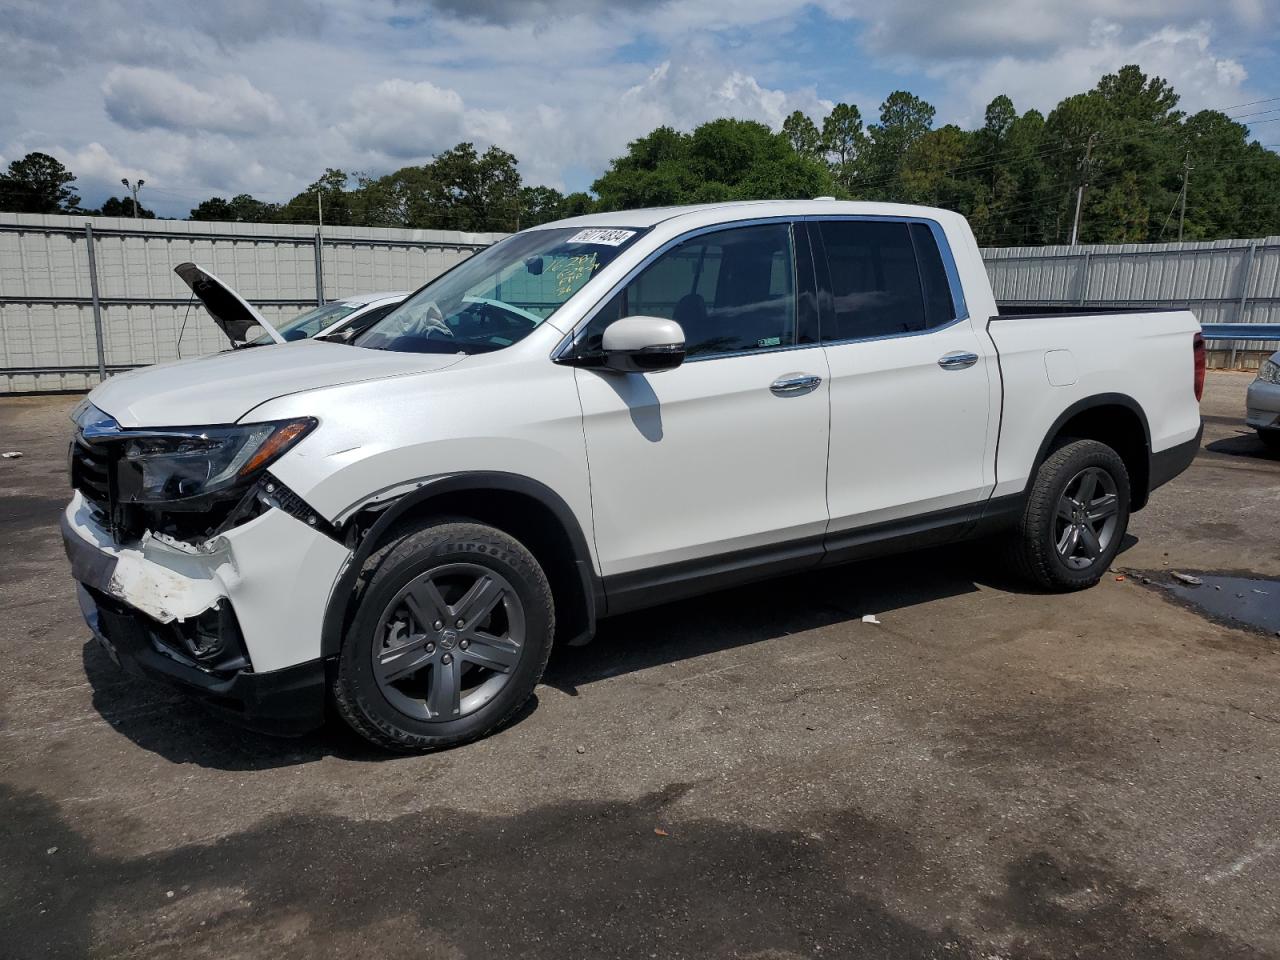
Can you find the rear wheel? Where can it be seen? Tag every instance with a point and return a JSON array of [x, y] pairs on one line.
[[451, 635], [1075, 517]]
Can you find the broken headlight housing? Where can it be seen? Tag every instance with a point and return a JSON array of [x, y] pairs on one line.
[[191, 463], [1269, 371]]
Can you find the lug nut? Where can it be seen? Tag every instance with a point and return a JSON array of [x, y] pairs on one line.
[[431, 648], [438, 624], [447, 658], [464, 644], [461, 623]]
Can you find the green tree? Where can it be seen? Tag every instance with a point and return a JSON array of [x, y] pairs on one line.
[[720, 160], [242, 208], [391, 200], [930, 167], [539, 205], [576, 204], [38, 183], [473, 191], [123, 207], [843, 142], [904, 119], [327, 197], [803, 134]]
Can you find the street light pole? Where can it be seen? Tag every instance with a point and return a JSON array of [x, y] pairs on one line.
[[133, 189]]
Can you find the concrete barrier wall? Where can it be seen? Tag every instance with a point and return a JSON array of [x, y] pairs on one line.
[[1222, 281], [48, 337]]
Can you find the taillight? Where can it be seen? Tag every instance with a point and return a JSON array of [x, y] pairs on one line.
[[1197, 351]]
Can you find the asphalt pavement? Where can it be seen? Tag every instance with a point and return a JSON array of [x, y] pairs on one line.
[[988, 772]]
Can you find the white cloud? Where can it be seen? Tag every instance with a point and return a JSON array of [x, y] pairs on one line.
[[1183, 55], [142, 98], [924, 29], [245, 96], [97, 169], [405, 119]]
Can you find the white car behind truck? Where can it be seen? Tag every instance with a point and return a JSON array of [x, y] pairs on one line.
[[593, 416], [244, 326]]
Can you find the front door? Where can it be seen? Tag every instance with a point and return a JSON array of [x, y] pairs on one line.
[[703, 471]]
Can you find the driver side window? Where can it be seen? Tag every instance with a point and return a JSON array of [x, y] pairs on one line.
[[731, 291]]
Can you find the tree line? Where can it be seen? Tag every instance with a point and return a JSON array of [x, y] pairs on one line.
[[1148, 170]]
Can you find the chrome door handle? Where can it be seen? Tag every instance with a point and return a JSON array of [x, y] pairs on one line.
[[795, 384], [957, 361]]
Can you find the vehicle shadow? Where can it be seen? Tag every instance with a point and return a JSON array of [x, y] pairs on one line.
[[1244, 444], [177, 728], [775, 608]]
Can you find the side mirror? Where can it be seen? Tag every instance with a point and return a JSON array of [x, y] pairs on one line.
[[642, 345]]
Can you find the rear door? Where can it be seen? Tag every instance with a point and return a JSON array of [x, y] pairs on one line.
[[910, 382], [719, 464]]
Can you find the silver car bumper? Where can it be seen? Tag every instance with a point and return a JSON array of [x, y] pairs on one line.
[[1263, 405]]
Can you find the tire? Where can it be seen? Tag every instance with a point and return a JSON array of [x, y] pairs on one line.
[[1270, 438], [1055, 504], [405, 654]]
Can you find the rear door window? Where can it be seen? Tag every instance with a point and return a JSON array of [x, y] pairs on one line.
[[887, 278]]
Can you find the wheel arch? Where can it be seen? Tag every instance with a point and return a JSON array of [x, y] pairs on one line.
[[1115, 419], [524, 508]]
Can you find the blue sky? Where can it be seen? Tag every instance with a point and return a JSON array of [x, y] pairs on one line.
[[228, 96]]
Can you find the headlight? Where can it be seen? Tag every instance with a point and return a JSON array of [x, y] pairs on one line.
[[1269, 371], [183, 464]]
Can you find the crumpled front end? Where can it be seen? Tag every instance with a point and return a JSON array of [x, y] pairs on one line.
[[235, 618]]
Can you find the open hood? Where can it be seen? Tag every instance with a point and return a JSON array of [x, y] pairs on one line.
[[229, 310]]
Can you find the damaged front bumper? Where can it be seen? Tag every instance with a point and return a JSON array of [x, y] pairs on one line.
[[235, 620]]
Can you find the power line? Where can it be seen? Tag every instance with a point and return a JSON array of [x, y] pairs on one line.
[[1237, 106]]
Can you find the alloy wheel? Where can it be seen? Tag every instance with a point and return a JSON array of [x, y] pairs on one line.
[[448, 642], [1087, 517]]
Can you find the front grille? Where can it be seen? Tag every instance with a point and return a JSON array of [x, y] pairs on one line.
[[91, 468], [94, 472]]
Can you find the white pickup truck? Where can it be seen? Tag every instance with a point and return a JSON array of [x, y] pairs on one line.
[[589, 417]]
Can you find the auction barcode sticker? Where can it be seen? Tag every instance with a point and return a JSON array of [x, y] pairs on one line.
[[608, 238]]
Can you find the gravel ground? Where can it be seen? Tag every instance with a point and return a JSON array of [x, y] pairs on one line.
[[989, 772]]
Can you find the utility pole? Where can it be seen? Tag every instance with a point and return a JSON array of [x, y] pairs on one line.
[[320, 207], [1084, 182], [133, 189], [1186, 175]]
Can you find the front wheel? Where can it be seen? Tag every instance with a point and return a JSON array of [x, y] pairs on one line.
[[452, 633], [1270, 438], [1075, 517]]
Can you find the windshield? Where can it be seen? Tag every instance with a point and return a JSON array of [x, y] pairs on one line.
[[500, 295], [308, 324]]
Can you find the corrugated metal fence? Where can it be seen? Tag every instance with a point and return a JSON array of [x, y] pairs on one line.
[[1223, 281], [52, 288], [60, 274]]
